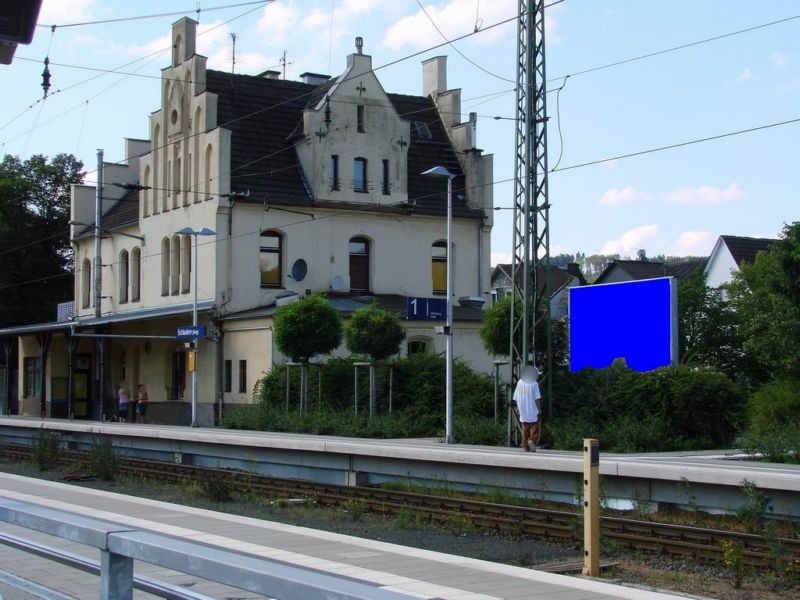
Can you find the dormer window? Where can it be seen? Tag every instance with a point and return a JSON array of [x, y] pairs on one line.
[[360, 174], [360, 118]]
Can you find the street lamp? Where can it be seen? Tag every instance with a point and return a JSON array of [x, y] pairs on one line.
[[441, 171], [194, 233]]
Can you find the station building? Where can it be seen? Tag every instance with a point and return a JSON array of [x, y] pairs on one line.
[[311, 186]]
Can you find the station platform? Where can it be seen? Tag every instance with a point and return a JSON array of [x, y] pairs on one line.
[[423, 573]]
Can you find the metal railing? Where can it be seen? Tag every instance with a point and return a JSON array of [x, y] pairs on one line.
[[120, 545]]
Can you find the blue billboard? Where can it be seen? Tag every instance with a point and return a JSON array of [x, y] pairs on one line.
[[634, 320]]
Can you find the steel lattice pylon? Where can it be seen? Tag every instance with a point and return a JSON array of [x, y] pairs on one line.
[[530, 272]]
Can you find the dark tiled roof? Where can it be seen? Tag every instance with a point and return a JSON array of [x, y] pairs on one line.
[[634, 269], [429, 194], [558, 277], [683, 270], [744, 249], [263, 116], [643, 269], [122, 214], [346, 303]]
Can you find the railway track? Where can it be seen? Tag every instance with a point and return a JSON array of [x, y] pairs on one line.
[[697, 542]]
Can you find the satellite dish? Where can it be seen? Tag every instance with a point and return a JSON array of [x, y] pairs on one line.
[[337, 283], [299, 270]]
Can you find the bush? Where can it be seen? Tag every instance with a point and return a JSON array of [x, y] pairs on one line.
[[667, 409], [774, 406], [45, 449], [104, 460]]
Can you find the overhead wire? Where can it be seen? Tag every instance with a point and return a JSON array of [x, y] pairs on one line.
[[453, 46], [675, 48], [152, 56], [197, 10]]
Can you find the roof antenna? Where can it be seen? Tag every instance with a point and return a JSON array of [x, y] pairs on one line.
[[233, 56], [283, 64]]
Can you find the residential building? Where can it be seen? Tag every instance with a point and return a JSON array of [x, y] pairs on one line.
[[633, 270], [729, 252], [561, 279], [309, 186]]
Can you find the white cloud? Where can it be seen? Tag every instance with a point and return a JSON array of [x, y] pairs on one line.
[[744, 75], [457, 18], [59, 12], [631, 241], [706, 194], [694, 243], [779, 59], [615, 197], [278, 23], [501, 258]]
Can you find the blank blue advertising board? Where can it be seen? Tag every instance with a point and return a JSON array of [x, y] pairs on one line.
[[634, 320]]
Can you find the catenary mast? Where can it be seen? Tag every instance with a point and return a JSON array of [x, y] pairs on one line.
[[530, 270]]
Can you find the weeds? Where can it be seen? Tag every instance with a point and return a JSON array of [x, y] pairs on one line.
[[217, 487], [45, 449], [355, 507], [753, 512], [104, 460], [733, 557]]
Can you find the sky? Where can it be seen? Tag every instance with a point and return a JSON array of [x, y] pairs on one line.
[[675, 201]]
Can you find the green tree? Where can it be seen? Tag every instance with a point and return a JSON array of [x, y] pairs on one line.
[[766, 298], [496, 327], [708, 328], [305, 329], [376, 333], [34, 236]]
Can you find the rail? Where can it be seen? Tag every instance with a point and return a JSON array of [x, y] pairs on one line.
[[120, 545]]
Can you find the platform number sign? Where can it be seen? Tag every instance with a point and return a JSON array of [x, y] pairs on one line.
[[426, 309]]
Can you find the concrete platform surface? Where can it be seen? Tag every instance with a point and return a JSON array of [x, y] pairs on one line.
[[428, 574]]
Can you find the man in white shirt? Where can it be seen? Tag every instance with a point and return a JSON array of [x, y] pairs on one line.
[[528, 399]]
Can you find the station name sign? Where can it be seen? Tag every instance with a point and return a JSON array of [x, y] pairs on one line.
[[190, 332], [426, 309]]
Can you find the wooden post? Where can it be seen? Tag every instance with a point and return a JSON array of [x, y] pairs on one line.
[[591, 507]]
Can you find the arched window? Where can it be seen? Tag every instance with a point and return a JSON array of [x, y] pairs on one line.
[[86, 283], [359, 264], [136, 274], [360, 183], [123, 276], [439, 267], [186, 262], [271, 259], [175, 269], [156, 158], [165, 265], [207, 173], [419, 344], [197, 127], [146, 192]]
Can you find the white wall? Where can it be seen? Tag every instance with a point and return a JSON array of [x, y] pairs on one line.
[[721, 266]]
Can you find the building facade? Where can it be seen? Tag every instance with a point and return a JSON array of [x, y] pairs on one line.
[[311, 186]]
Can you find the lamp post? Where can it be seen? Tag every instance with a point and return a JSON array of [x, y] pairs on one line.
[[195, 233], [440, 171]]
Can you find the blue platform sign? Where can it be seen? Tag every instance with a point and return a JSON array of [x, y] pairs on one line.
[[426, 309], [190, 332]]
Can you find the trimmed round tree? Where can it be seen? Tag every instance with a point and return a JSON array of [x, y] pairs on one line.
[[376, 333], [305, 329]]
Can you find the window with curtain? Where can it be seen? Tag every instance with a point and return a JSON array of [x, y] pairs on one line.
[[360, 174], [271, 259], [439, 267]]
